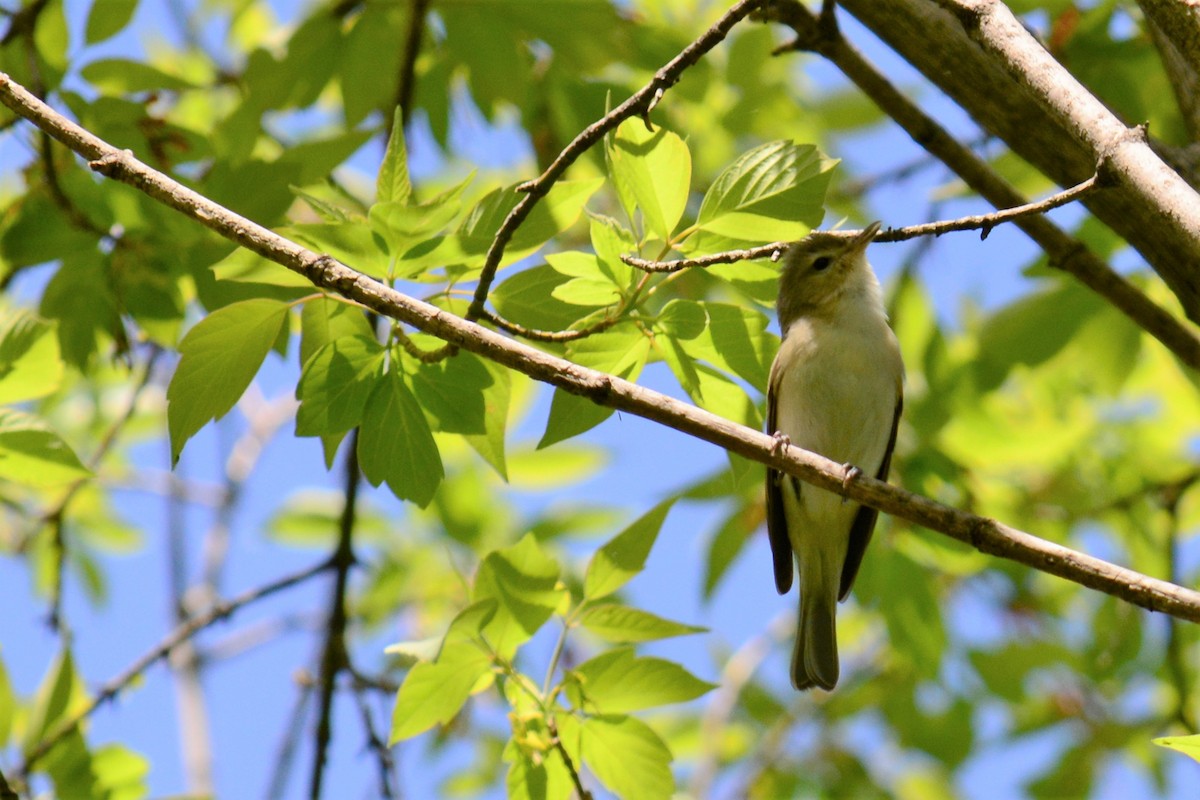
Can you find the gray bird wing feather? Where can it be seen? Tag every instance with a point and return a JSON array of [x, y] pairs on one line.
[[864, 520], [777, 534]]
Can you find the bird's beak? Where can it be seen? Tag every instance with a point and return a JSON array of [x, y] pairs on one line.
[[859, 243]]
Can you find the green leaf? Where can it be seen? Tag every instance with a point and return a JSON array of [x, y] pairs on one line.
[[527, 298], [468, 624], [395, 445], [1031, 330], [336, 384], [683, 319], [309, 518], [8, 706], [620, 623], [611, 240], [627, 756], [218, 359], [589, 292], [393, 184], [120, 772], [1188, 745], [247, 266], [32, 454], [353, 243], [523, 580], [452, 392], [30, 364], [619, 681], [652, 170], [624, 556], [774, 192], [556, 212], [114, 76], [622, 351], [533, 470], [107, 18], [546, 778], [326, 319], [433, 692], [80, 300], [490, 444], [61, 690], [735, 340]]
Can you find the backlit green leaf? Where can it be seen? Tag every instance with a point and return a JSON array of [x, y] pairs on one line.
[[395, 445], [620, 623], [619, 681], [652, 170], [433, 692], [336, 384], [624, 556], [628, 757], [775, 192], [218, 359]]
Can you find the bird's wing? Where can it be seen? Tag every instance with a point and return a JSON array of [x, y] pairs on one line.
[[777, 533], [864, 520]]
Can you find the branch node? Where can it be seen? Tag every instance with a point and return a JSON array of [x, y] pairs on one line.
[[112, 163]]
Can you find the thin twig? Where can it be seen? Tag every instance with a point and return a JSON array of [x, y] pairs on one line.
[[408, 64], [333, 654], [986, 535], [180, 634], [580, 789], [981, 222], [377, 745], [292, 733], [56, 517], [641, 103]]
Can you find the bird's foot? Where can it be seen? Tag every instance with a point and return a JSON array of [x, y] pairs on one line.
[[782, 440], [853, 473]]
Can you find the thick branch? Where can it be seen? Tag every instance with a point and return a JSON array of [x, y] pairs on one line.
[[1039, 121], [1064, 252], [984, 534]]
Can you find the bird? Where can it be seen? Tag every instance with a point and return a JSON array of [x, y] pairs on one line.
[[836, 388]]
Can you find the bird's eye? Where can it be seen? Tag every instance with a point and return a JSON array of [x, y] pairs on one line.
[[820, 264]]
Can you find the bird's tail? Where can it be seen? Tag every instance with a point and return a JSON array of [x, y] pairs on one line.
[[814, 655]]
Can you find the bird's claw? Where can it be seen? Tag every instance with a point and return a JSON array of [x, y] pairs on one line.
[[782, 440], [853, 473]]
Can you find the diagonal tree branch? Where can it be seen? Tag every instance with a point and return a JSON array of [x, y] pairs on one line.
[[1039, 121], [1064, 251], [987, 535]]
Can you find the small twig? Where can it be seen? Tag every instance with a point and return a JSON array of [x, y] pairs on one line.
[[377, 745], [293, 732], [535, 335], [639, 104], [410, 347], [986, 222], [333, 655], [580, 789], [408, 64], [982, 222], [181, 633]]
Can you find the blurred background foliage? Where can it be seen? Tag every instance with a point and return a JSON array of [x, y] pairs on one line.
[[1028, 399]]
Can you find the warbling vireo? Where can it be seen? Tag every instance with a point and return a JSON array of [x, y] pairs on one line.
[[836, 389]]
